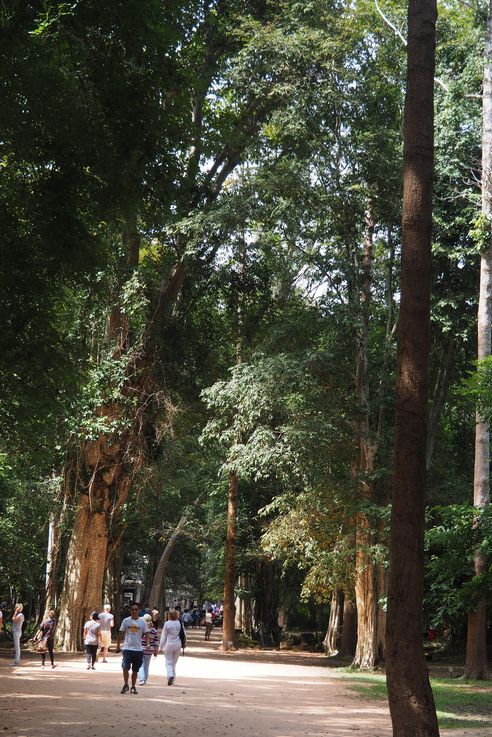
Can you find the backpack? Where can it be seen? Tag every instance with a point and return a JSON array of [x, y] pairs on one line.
[[182, 635]]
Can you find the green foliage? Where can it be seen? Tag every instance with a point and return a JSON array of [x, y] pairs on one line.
[[477, 387], [99, 141], [267, 418], [24, 511], [454, 534]]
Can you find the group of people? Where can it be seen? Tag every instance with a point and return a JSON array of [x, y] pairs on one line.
[[137, 633], [141, 643], [97, 635]]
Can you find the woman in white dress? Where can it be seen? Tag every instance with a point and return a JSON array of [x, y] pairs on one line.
[[170, 644]]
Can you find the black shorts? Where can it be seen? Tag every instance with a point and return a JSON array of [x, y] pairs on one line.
[[133, 658]]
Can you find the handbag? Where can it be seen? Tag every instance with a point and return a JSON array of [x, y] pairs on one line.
[[182, 635], [41, 646]]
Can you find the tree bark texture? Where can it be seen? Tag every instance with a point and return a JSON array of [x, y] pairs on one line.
[[411, 700], [101, 488], [229, 573], [55, 546], [476, 665], [266, 603], [330, 643], [349, 628]]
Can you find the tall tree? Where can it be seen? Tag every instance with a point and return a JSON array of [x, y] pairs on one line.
[[476, 665], [411, 701], [233, 91]]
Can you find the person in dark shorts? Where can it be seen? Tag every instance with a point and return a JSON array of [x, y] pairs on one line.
[[132, 628]]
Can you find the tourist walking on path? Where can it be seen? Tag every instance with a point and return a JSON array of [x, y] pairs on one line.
[[155, 617], [17, 622], [46, 637], [171, 644], [133, 628], [92, 639], [209, 623], [106, 620], [149, 650]]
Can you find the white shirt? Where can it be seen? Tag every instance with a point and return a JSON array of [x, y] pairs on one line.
[[106, 620], [17, 625], [170, 633], [134, 629], [91, 628]]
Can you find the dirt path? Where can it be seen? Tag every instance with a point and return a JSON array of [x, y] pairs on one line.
[[238, 695]]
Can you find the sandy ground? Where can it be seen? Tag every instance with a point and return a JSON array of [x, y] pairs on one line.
[[234, 695]]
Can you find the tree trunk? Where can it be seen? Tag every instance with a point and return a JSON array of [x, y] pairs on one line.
[[55, 545], [410, 696], [476, 665], [366, 654], [366, 589], [99, 480], [349, 628], [112, 583], [243, 620], [157, 593], [331, 638], [100, 491], [52, 558], [266, 603], [229, 574]]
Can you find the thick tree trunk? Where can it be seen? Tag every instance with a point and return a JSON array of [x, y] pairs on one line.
[[411, 701], [331, 638], [55, 546], [476, 665], [157, 593], [99, 480], [366, 654], [349, 628], [266, 603], [229, 574], [101, 487]]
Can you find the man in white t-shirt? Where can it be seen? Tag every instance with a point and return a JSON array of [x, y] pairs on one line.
[[106, 620], [133, 627]]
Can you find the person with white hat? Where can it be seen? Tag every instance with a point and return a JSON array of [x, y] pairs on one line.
[[150, 648]]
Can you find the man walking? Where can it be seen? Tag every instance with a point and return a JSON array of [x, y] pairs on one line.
[[133, 628], [106, 620]]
